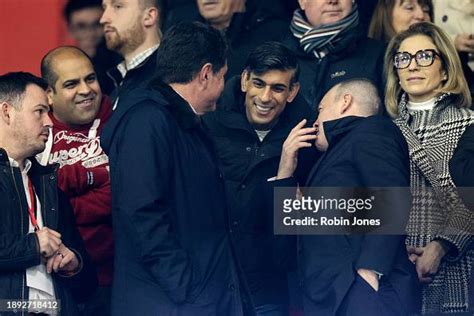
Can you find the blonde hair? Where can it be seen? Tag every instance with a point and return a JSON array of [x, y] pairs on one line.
[[455, 83]]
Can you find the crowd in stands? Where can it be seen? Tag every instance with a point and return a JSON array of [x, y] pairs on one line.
[[141, 174]]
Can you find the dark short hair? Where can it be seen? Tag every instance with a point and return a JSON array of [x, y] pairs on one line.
[[47, 69], [76, 5], [186, 48], [272, 56], [13, 86]]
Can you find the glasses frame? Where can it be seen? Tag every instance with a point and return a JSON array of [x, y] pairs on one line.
[[413, 56]]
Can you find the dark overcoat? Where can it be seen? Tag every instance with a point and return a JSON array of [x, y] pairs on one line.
[[173, 253], [362, 152]]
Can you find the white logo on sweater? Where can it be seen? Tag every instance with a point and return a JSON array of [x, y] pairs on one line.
[[91, 154], [76, 137]]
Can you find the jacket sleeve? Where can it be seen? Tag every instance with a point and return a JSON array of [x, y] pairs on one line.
[[84, 282], [93, 207], [18, 252], [76, 180], [383, 163], [461, 165], [459, 225], [144, 174]]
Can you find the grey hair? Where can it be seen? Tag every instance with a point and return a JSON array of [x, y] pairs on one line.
[[364, 93]]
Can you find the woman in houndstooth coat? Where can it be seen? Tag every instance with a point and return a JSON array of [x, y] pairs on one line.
[[428, 98]]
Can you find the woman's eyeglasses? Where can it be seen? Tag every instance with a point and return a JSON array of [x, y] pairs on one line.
[[423, 58]]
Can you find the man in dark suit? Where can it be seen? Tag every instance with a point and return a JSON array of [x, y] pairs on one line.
[[354, 274]]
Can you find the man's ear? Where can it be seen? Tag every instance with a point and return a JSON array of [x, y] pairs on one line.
[[302, 4], [151, 17], [5, 112], [204, 75], [244, 80], [49, 93], [293, 92], [346, 103]]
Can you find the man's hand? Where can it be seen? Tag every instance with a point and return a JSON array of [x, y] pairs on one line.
[[63, 261], [427, 260], [49, 241], [370, 277], [299, 137], [464, 43]]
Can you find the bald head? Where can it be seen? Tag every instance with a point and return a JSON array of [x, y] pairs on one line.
[[74, 93], [364, 96], [53, 57], [354, 97]]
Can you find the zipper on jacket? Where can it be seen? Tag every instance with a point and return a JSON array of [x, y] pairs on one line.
[[21, 217], [43, 194], [257, 147]]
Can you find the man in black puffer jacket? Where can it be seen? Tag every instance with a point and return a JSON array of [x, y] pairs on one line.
[[253, 118]]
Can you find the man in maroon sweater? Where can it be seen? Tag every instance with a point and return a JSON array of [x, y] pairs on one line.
[[79, 111]]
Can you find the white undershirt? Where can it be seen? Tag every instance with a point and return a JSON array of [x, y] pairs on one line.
[[421, 106], [38, 281], [262, 134]]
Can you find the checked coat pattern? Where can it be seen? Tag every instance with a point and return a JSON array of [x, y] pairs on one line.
[[437, 211]]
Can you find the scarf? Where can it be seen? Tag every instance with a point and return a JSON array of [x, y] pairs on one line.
[[324, 39]]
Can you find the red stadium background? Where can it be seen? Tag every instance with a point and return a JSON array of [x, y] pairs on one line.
[[29, 29]]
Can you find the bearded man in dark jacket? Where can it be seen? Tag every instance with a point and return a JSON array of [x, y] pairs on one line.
[[254, 116]]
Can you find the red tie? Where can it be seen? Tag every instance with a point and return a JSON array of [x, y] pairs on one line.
[[32, 207]]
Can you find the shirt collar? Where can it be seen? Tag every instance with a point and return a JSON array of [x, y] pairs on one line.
[[123, 67], [14, 163]]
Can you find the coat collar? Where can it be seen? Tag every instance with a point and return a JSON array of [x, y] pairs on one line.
[[178, 106], [335, 130], [231, 106]]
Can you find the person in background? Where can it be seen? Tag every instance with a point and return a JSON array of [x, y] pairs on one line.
[[428, 98], [325, 36], [391, 17], [132, 29], [79, 111], [82, 18], [457, 19], [246, 24], [42, 256]]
